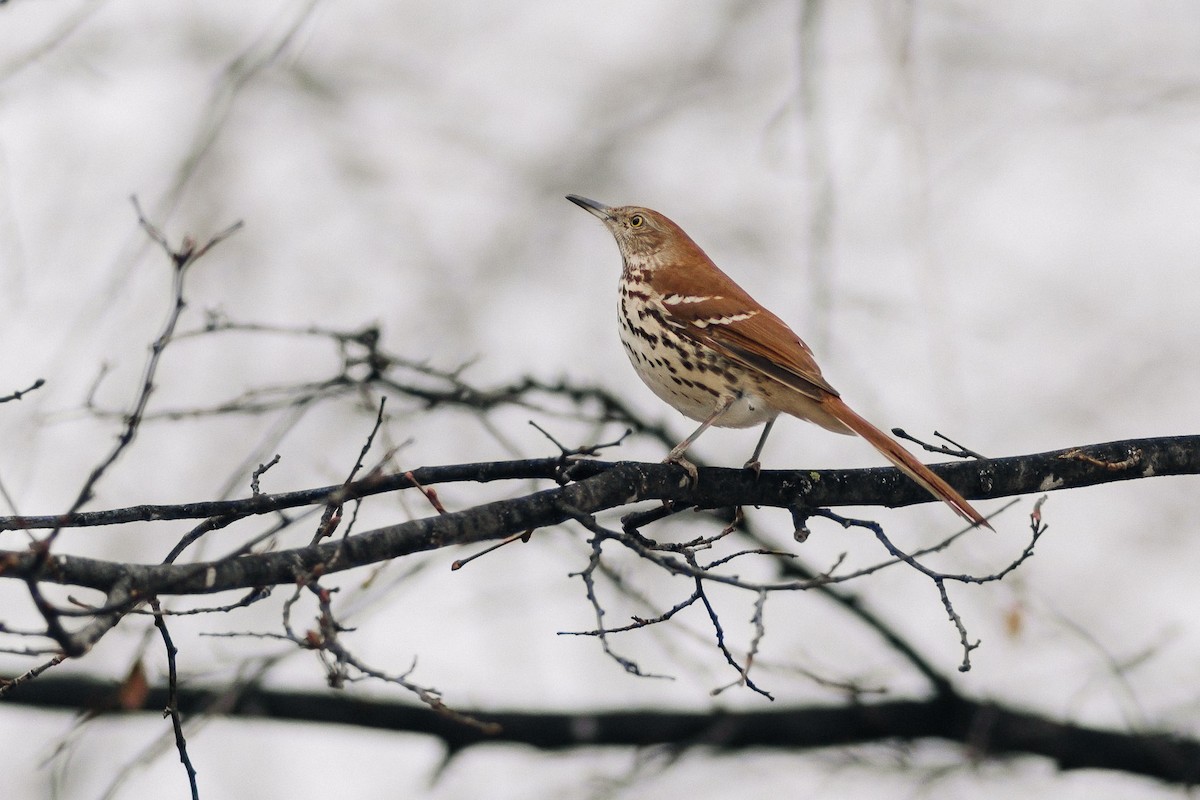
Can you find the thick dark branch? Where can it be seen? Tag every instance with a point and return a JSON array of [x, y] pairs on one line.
[[1071, 468], [482, 472], [601, 486], [620, 484], [989, 730]]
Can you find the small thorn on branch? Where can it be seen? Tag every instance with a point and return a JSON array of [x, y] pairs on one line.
[[582, 450], [187, 251], [957, 451], [255, 489], [430, 493], [462, 562], [18, 394]]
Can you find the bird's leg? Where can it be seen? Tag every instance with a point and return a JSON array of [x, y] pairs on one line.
[[753, 464], [676, 454]]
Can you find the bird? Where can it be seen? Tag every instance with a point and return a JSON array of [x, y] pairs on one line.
[[707, 348]]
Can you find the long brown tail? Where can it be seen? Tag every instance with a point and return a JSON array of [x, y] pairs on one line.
[[905, 461]]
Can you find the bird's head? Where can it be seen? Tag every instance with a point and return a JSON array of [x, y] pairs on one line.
[[646, 238]]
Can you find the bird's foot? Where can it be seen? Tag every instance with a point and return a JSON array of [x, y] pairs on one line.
[[755, 466], [688, 467]]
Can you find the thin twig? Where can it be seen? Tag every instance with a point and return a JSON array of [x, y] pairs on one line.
[[172, 709], [17, 395]]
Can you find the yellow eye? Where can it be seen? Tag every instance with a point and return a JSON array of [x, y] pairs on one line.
[[636, 221]]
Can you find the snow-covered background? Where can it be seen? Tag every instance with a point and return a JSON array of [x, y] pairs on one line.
[[983, 217]]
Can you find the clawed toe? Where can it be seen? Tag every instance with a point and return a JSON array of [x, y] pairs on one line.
[[689, 467]]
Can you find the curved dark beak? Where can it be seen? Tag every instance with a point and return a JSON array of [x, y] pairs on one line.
[[591, 206]]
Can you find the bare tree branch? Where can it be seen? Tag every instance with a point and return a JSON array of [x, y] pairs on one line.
[[19, 393], [599, 486], [989, 730]]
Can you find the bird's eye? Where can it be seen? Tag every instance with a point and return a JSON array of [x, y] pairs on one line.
[[636, 221]]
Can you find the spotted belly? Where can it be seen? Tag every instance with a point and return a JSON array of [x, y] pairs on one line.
[[690, 378]]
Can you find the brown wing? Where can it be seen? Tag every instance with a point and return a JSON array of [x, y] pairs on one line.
[[730, 321], [704, 304]]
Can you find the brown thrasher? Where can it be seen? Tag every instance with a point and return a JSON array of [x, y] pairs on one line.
[[703, 345]]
